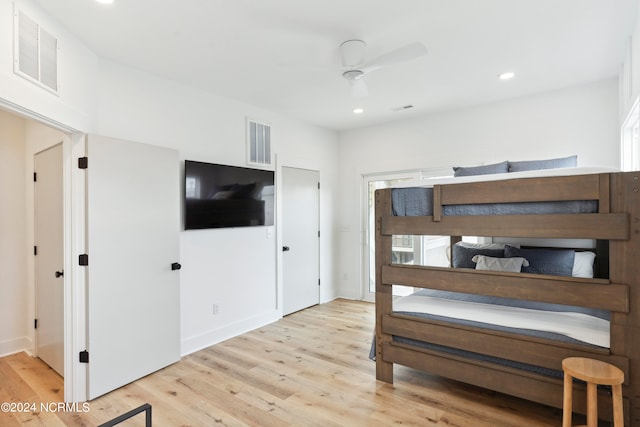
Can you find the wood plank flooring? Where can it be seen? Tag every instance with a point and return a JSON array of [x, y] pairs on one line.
[[309, 369]]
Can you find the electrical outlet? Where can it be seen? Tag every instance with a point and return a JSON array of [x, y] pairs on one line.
[[216, 309]]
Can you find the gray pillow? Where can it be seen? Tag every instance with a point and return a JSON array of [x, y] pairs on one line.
[[555, 262], [513, 265], [501, 167], [463, 255], [529, 165]]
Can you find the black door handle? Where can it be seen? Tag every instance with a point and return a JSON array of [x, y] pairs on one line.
[[59, 273], [176, 266], [285, 248]]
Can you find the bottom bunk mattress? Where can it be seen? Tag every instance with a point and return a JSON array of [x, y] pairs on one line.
[[552, 321]]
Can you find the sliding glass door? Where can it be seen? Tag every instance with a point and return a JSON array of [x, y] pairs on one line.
[[412, 250]]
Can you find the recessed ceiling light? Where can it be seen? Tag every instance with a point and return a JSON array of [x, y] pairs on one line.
[[105, 1], [358, 111], [507, 76]]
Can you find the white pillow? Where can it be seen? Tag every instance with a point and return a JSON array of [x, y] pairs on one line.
[[513, 264], [583, 264]]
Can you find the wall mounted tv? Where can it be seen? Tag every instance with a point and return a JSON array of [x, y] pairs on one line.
[[217, 196]]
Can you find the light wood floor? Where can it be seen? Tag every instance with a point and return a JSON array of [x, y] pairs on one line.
[[309, 369]]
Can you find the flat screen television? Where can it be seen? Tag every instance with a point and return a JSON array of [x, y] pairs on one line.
[[217, 196]]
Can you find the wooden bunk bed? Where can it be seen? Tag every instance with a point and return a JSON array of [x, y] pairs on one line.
[[616, 228]]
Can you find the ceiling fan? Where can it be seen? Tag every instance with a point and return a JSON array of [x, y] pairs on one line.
[[353, 58]]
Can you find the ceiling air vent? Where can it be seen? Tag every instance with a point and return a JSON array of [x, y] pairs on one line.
[[35, 52], [402, 107], [258, 143]]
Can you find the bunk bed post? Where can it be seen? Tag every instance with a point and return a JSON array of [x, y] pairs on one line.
[[625, 269], [452, 241], [384, 294]]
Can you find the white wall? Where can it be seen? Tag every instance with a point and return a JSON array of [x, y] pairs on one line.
[[234, 268], [580, 120]]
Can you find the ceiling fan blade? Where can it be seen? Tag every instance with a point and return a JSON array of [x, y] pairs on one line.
[[403, 54], [358, 88]]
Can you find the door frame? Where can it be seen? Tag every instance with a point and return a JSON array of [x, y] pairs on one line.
[[74, 238]]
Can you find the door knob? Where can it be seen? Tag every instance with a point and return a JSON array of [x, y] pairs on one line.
[[176, 266], [59, 273], [285, 248]]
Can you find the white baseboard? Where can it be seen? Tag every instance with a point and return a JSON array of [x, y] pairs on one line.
[[198, 342], [16, 345]]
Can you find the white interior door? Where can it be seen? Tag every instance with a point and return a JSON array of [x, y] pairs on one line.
[[300, 236], [49, 259], [133, 227]]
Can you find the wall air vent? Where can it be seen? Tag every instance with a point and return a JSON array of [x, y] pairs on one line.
[[35, 54], [258, 143]]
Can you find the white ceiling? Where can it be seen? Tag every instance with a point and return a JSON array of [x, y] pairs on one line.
[[284, 54]]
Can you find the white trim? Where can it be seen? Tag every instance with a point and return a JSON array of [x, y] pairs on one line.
[[15, 345], [75, 381], [629, 151], [29, 114]]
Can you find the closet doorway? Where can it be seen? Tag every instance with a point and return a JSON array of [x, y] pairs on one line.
[[49, 257]]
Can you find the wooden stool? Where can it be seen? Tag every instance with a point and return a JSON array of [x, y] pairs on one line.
[[593, 372]]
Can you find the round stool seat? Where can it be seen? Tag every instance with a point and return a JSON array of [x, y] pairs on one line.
[[594, 373]]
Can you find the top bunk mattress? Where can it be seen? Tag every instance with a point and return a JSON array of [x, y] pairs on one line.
[[418, 201]]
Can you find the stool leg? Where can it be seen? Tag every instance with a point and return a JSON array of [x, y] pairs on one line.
[[592, 405], [618, 420], [567, 403]]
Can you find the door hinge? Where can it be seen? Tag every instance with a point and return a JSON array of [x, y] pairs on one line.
[[318, 186], [83, 260], [83, 162], [35, 323], [35, 250], [318, 282], [35, 177], [84, 356], [318, 233]]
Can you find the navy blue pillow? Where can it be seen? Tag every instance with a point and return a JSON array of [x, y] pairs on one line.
[[528, 165], [555, 262], [502, 167], [461, 256]]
